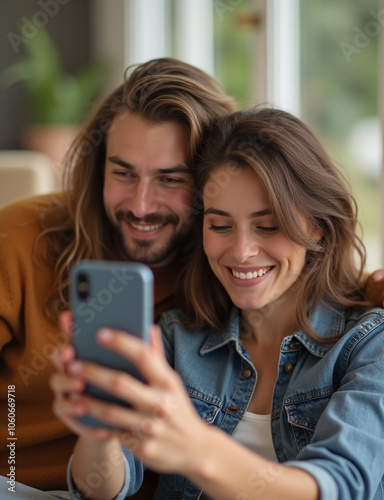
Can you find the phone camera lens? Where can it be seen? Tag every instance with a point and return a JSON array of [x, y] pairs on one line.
[[83, 286]]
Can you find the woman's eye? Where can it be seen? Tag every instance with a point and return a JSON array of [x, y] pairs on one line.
[[213, 227]]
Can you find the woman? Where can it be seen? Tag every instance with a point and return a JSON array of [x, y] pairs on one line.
[[276, 346]]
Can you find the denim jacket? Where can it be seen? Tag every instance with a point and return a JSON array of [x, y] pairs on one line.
[[328, 402]]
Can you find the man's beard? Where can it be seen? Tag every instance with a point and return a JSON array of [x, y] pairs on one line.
[[140, 250]]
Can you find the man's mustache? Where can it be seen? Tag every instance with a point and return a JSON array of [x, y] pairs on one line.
[[147, 219]]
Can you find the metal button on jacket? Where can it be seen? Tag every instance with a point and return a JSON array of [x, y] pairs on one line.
[[247, 373], [288, 368]]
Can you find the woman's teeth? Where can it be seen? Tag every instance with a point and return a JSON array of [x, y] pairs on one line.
[[249, 275]]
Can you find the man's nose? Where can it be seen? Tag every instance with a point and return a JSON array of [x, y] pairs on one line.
[[144, 199]]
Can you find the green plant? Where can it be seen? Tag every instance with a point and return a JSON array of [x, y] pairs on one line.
[[55, 96]]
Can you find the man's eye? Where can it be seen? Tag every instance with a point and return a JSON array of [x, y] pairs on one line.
[[122, 173], [172, 180], [268, 229]]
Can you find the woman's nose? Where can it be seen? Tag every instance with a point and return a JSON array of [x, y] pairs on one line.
[[244, 247]]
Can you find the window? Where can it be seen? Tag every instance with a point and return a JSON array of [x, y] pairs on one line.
[[330, 81], [339, 96]]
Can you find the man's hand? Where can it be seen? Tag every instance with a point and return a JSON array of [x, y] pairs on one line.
[[375, 288]]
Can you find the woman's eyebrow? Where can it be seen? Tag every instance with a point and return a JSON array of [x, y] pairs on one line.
[[216, 211]]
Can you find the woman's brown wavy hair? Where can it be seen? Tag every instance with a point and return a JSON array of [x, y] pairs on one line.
[[159, 90], [299, 178]]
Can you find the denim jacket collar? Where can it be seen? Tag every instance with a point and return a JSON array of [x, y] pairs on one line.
[[229, 333], [326, 320]]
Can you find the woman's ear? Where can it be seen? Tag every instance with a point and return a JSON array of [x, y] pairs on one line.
[[318, 236], [317, 233]]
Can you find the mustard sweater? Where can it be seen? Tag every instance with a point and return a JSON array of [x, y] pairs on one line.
[[28, 343]]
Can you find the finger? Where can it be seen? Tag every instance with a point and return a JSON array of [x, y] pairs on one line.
[[69, 407], [378, 275], [66, 323], [67, 355], [62, 384], [148, 359], [156, 339], [121, 417], [120, 384], [63, 357], [69, 411]]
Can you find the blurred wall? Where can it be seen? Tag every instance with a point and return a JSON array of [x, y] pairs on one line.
[[68, 22]]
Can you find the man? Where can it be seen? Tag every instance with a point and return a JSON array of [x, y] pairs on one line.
[[128, 197]]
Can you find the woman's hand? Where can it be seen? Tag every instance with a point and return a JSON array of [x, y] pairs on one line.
[[68, 388], [162, 427]]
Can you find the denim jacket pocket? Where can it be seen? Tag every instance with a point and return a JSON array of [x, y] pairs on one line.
[[303, 412], [206, 406]]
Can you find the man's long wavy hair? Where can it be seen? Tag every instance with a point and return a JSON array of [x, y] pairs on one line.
[[160, 90], [300, 179]]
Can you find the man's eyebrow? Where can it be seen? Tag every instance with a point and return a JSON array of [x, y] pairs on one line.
[[170, 170], [215, 211]]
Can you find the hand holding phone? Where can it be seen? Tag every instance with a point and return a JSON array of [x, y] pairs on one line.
[[109, 295]]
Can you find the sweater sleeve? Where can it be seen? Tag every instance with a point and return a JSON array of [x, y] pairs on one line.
[[25, 282], [6, 298], [21, 278]]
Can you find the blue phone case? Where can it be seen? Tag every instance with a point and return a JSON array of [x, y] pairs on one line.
[[113, 295]]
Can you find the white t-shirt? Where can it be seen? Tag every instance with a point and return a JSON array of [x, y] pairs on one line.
[[254, 432]]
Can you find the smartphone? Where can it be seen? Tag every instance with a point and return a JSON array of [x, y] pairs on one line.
[[112, 295]]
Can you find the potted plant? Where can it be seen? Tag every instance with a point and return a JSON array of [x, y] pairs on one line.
[[58, 100]]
